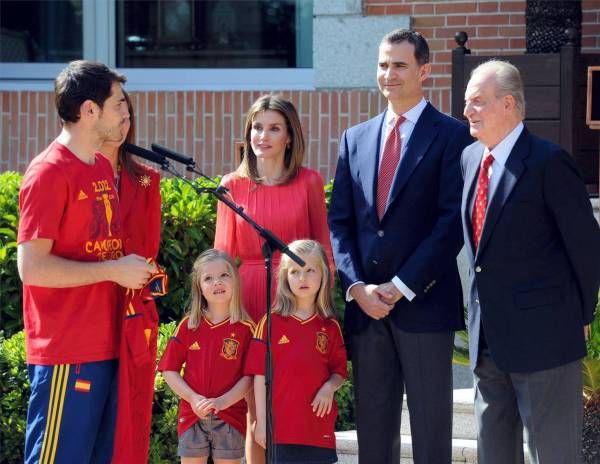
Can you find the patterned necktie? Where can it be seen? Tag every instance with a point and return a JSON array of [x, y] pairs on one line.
[[481, 198], [389, 163]]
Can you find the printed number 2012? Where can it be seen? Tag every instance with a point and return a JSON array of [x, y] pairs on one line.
[[101, 186]]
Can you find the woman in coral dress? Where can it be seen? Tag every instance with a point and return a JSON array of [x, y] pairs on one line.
[[274, 190], [280, 195]]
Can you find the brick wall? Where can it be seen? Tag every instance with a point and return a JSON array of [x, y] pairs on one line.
[[207, 124], [492, 26], [204, 124]]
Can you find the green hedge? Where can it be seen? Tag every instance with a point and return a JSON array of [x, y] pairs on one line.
[[188, 229], [14, 393], [11, 316]]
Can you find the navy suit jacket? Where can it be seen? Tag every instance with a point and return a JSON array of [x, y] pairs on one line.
[[419, 235], [534, 277]]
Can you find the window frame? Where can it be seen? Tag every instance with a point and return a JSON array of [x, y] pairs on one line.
[[99, 44]]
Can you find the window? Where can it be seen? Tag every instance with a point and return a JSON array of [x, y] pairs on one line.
[[210, 34], [147, 39], [41, 31]]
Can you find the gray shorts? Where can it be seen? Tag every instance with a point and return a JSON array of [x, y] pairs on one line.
[[211, 435]]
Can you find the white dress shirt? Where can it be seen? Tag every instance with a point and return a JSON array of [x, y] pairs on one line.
[[500, 154], [406, 130]]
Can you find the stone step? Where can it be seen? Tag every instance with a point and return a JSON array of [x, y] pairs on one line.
[[463, 451], [463, 420]]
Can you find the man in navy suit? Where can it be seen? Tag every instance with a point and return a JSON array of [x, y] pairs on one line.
[[395, 229], [534, 251]]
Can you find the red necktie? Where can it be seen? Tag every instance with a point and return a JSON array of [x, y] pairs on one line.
[[481, 198], [389, 163]]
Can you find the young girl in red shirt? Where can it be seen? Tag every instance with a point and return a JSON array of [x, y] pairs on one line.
[[309, 361], [212, 342]]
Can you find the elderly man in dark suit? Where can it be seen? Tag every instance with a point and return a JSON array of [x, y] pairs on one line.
[[534, 252], [395, 228]]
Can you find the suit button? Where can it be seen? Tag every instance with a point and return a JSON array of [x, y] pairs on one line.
[[375, 262], [380, 233], [477, 301], [478, 269]]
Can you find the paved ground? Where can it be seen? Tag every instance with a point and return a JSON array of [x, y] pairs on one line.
[[462, 376]]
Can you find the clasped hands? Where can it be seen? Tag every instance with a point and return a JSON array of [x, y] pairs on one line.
[[376, 300], [203, 406]]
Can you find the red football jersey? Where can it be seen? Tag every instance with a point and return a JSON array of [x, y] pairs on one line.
[[75, 205], [139, 199], [214, 356], [305, 354]]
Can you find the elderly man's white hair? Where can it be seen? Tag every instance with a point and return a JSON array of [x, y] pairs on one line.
[[508, 81]]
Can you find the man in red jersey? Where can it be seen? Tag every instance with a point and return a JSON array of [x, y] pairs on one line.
[[70, 259]]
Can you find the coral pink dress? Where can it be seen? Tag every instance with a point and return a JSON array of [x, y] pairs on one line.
[[291, 211]]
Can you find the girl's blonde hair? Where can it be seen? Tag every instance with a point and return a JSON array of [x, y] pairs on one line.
[[285, 301], [198, 304], [294, 152]]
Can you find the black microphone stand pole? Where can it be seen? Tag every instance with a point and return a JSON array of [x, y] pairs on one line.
[[271, 243]]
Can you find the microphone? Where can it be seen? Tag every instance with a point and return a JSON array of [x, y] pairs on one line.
[[143, 153], [173, 155]]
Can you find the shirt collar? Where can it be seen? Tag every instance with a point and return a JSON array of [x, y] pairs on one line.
[[411, 115], [503, 149]]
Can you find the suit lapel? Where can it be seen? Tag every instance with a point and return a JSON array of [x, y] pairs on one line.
[[512, 171], [421, 138], [368, 151], [471, 174]]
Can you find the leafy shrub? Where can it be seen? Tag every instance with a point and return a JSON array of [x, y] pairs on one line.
[[188, 229], [345, 401], [14, 393], [163, 438], [10, 290]]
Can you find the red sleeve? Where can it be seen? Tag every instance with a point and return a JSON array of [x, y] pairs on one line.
[[225, 239], [255, 360], [175, 353], [337, 358], [42, 200], [317, 212], [154, 213], [247, 340]]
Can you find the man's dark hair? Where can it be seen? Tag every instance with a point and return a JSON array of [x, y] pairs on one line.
[[413, 37], [80, 81]]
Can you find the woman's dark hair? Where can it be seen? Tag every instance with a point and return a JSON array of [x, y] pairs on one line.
[[294, 152], [126, 160]]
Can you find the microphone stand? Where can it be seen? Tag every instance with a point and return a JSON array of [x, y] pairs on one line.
[[271, 243]]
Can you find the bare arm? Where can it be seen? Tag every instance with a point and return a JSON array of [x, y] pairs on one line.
[[231, 397], [260, 396], [184, 391], [37, 266], [323, 400]]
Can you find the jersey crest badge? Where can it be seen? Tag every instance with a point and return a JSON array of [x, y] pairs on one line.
[[82, 195], [230, 347], [322, 342], [283, 340], [194, 346]]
